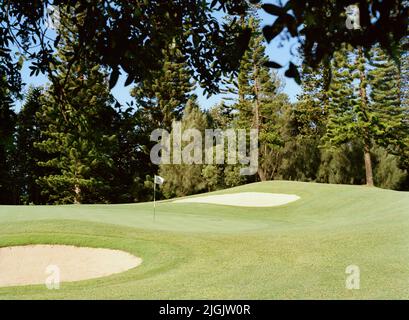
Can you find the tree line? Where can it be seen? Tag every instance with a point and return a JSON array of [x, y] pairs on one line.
[[350, 125]]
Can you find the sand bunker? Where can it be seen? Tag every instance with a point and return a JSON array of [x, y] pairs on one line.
[[244, 199], [22, 265]]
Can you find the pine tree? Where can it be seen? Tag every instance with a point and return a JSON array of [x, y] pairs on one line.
[[311, 111], [374, 118], [302, 126], [404, 72], [28, 132], [386, 100], [160, 100], [132, 163], [79, 138], [404, 96], [163, 97], [259, 99], [7, 122], [364, 115], [341, 115], [350, 116], [299, 158]]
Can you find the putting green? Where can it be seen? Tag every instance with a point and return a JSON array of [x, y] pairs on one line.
[[207, 251]]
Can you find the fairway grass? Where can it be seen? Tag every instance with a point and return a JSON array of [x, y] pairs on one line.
[[204, 251]]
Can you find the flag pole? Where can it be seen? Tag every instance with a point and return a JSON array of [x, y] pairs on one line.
[[154, 200]]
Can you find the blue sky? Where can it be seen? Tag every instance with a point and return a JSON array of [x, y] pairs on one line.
[[278, 52]]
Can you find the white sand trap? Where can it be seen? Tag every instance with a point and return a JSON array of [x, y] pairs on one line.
[[244, 199], [23, 265]]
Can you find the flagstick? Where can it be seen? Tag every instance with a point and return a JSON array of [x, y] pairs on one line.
[[154, 200]]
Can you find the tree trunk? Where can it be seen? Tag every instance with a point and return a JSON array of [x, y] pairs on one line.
[[261, 174], [368, 166], [256, 119], [77, 197], [364, 108]]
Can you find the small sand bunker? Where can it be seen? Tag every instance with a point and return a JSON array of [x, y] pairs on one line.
[[244, 199], [33, 264]]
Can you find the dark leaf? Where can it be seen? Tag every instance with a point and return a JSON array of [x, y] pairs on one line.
[[292, 72], [129, 80], [113, 79], [270, 32], [272, 64], [57, 41], [273, 9], [291, 24]]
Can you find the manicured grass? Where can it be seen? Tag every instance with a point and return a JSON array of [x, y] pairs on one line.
[[201, 251]]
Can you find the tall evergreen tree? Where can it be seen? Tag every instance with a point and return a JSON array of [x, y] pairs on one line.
[[365, 103], [404, 72], [131, 160], [7, 123], [303, 125], [160, 100], [341, 113], [260, 99], [311, 111], [78, 139], [346, 113], [365, 117], [349, 113], [163, 97], [387, 101], [28, 132], [404, 95]]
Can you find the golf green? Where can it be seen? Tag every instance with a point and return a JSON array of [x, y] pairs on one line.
[[204, 251]]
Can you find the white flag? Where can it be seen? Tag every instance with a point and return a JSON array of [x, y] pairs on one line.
[[159, 180]]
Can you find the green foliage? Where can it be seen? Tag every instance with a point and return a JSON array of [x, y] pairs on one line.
[[232, 177], [185, 179], [323, 28], [128, 35], [404, 72], [342, 117], [387, 171], [342, 165], [260, 101], [80, 149], [346, 118], [299, 159], [163, 97], [131, 162], [29, 131], [79, 140], [7, 123], [377, 118], [212, 175], [389, 128]]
